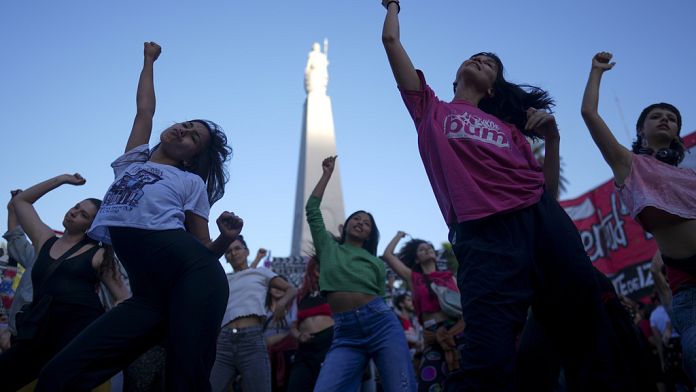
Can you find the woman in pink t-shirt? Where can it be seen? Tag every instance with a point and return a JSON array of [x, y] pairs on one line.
[[515, 245], [416, 264], [659, 195]]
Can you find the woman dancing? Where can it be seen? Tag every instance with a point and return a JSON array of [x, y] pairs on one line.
[[64, 277], [416, 264], [660, 195], [156, 216], [515, 245], [353, 279]]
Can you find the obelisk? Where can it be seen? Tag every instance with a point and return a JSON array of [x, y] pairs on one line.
[[318, 142]]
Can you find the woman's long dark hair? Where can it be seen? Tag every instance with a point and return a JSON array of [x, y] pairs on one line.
[[370, 244], [510, 101], [210, 163]]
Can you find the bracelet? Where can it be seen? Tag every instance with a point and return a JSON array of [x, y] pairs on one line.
[[397, 4]]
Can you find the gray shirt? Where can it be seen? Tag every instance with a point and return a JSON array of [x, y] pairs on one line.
[[19, 248]]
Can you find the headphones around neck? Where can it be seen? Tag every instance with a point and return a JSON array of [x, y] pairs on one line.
[[666, 155]]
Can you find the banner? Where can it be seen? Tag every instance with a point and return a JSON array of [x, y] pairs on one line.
[[616, 244]]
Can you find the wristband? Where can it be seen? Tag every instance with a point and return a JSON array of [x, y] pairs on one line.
[[397, 5]]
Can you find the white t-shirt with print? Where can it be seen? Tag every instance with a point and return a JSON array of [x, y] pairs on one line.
[[148, 195]]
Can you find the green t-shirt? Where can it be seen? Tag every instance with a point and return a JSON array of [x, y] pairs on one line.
[[343, 267]]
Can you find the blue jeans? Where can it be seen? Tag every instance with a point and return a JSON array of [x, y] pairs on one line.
[[370, 331], [684, 308], [241, 351]]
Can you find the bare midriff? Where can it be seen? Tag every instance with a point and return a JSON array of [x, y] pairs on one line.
[[316, 324], [244, 321], [675, 236], [344, 301]]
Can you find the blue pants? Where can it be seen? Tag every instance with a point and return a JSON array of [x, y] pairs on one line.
[[370, 331], [684, 309], [508, 262], [241, 351]]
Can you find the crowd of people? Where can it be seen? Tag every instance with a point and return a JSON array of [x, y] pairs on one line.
[[525, 309]]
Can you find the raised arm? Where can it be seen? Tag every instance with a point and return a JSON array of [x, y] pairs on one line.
[[545, 125], [401, 65], [18, 246], [259, 256], [327, 167], [394, 263], [23, 204], [12, 221], [145, 99], [617, 156], [315, 220]]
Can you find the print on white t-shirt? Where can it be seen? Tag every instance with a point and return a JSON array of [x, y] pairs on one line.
[[469, 126], [127, 191]]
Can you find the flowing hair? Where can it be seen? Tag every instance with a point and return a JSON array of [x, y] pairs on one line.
[[510, 101], [407, 254], [209, 164]]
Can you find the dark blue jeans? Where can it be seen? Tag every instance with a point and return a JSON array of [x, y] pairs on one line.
[[508, 262], [370, 331]]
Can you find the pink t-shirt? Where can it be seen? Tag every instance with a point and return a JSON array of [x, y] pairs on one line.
[[477, 164], [423, 301]]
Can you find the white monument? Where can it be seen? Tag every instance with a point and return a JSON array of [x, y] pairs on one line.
[[318, 142]]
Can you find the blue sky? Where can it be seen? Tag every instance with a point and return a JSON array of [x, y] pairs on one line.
[[70, 70]]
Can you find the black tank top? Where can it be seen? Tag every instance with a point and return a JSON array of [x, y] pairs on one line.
[[74, 281]]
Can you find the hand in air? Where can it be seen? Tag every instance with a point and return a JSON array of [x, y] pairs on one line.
[[261, 253], [543, 123], [401, 234], [152, 50], [13, 193], [328, 165], [74, 179], [230, 225], [602, 60]]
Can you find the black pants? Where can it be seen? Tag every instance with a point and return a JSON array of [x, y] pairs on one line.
[[21, 364], [179, 289], [307, 361], [508, 262], [539, 363]]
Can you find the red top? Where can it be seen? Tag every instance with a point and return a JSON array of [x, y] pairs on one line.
[[423, 300], [312, 304]]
